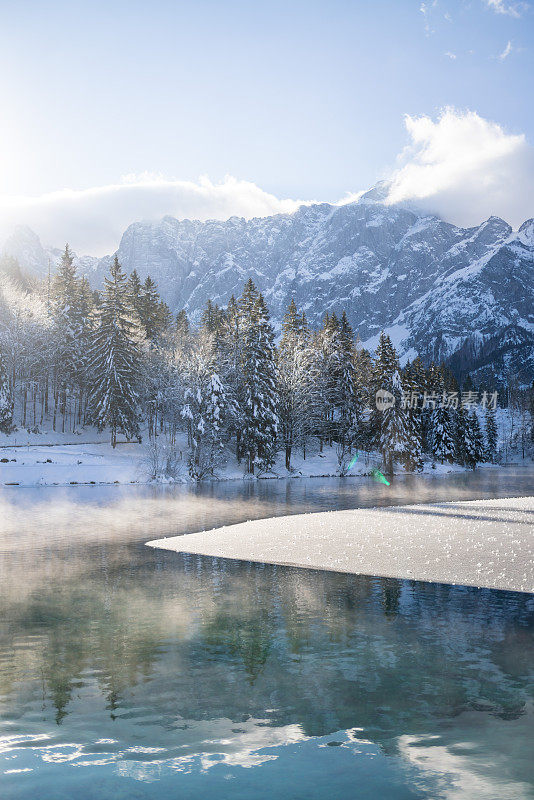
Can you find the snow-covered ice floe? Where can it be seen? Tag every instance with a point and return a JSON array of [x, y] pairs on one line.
[[486, 543]]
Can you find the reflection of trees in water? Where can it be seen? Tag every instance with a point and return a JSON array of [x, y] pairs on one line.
[[391, 592], [201, 638]]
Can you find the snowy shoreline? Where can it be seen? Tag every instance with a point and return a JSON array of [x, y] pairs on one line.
[[45, 463], [73, 464], [483, 543]]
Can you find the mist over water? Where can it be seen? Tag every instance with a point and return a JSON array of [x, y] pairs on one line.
[[127, 671], [130, 512]]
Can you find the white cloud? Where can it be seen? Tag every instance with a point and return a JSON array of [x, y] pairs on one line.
[[450, 55], [509, 9], [506, 52], [92, 220], [465, 168], [426, 10], [460, 166]]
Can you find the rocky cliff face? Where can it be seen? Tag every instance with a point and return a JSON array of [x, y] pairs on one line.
[[438, 289]]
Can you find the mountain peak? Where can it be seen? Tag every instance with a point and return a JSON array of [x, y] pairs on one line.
[[526, 233], [377, 194]]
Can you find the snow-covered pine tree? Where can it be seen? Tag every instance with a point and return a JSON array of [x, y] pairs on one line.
[[416, 387], [182, 322], [363, 370], [260, 419], [459, 418], [321, 345], [473, 442], [347, 400], [412, 458], [442, 434], [204, 408], [394, 430], [397, 439], [114, 361], [478, 437], [135, 295], [491, 435], [212, 319], [72, 301], [181, 333], [149, 311], [384, 368], [437, 419], [165, 321], [411, 402], [295, 392], [229, 348], [348, 406]]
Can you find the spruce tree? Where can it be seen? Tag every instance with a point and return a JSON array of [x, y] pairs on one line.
[[345, 397], [385, 367], [473, 442], [442, 434], [135, 293], [411, 402], [70, 310], [182, 322], [460, 434], [260, 419], [491, 435], [182, 331], [152, 317], [114, 361], [212, 319], [478, 438], [395, 430], [295, 394], [321, 344], [230, 364], [397, 438], [205, 407]]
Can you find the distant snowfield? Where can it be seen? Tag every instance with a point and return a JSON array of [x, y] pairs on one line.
[[487, 543]]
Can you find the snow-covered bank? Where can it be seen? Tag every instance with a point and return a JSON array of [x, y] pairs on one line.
[[43, 461], [64, 464], [486, 543]]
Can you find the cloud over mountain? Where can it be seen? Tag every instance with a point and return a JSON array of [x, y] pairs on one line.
[[465, 168], [93, 220], [459, 166]]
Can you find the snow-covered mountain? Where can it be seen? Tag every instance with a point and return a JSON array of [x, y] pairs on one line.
[[443, 291]]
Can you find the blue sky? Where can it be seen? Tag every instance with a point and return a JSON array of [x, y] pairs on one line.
[[306, 100]]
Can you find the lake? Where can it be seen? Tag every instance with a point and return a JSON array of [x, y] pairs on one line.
[[138, 673]]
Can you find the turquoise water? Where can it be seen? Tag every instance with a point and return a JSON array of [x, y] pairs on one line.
[[131, 672]]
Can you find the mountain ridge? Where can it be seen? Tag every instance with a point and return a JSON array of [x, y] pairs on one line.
[[439, 289]]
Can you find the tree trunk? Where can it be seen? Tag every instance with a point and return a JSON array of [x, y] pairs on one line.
[[56, 402], [288, 457], [24, 405]]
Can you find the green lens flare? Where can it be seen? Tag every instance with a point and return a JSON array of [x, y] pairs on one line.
[[354, 460], [377, 475]]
